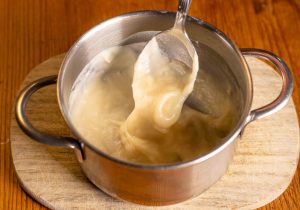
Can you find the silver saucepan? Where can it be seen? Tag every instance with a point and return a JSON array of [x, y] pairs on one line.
[[153, 184]]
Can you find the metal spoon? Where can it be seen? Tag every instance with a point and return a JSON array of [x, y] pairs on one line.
[[165, 72], [175, 41]]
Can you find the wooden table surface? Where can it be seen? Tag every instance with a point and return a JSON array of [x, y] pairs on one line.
[[33, 30]]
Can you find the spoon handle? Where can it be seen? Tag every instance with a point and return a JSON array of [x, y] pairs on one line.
[[183, 7]]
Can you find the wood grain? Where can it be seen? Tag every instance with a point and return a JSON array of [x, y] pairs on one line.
[[32, 31], [53, 176]]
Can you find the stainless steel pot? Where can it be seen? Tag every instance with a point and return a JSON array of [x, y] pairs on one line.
[[153, 184]]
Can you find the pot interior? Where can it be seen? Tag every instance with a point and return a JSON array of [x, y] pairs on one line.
[[219, 61]]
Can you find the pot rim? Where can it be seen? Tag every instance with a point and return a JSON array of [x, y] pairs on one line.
[[226, 141]]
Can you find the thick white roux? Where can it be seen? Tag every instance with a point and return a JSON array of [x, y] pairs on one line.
[[134, 110]]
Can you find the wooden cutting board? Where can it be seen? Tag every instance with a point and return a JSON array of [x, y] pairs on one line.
[[265, 161]]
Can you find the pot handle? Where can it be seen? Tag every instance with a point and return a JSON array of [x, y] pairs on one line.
[[287, 84], [27, 127]]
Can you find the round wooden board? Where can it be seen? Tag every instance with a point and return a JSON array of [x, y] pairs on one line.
[[265, 161]]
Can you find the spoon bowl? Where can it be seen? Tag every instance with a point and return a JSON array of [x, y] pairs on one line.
[[165, 73]]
